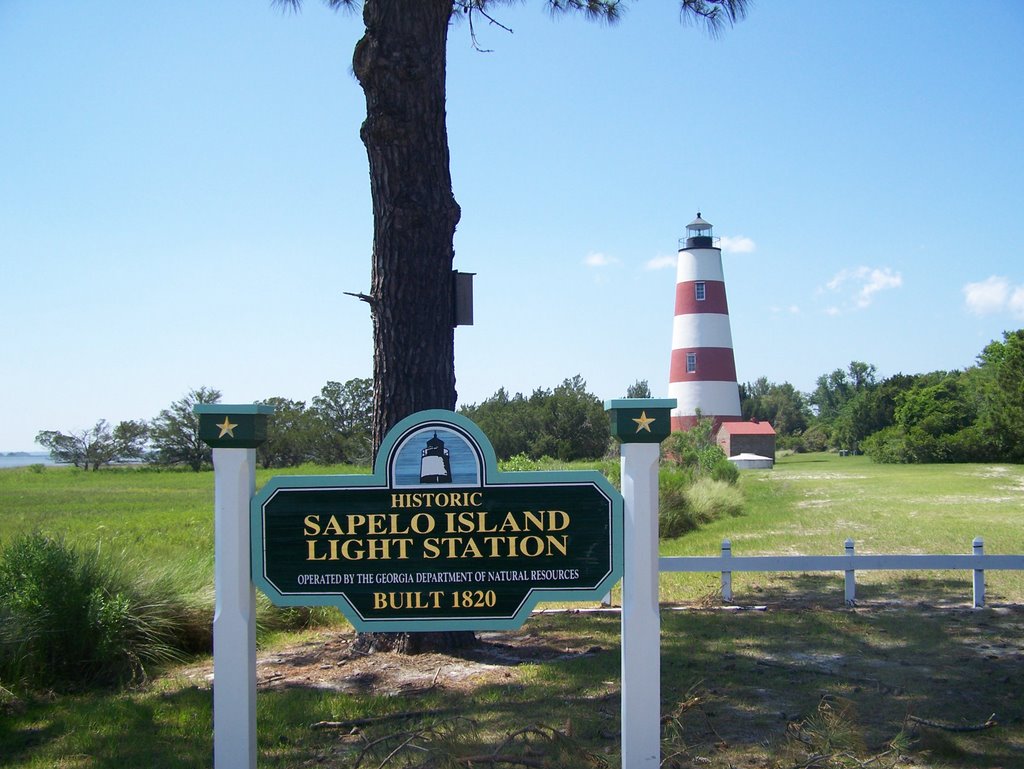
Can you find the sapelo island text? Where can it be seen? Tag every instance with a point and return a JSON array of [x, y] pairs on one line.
[[450, 534]]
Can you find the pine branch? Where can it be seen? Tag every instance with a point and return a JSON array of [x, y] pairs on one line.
[[954, 727]]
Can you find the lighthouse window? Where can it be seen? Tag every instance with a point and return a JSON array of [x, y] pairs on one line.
[[699, 290], [691, 362]]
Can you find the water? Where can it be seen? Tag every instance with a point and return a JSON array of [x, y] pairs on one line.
[[21, 460]]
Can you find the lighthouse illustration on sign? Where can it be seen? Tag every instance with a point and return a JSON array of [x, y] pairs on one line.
[[435, 463], [702, 375]]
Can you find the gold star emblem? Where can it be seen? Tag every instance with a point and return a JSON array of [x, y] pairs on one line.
[[226, 428], [643, 422]]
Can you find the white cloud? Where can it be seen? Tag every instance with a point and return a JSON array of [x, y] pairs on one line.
[[875, 281], [1017, 302], [739, 244], [661, 263], [597, 259], [994, 295], [864, 283]]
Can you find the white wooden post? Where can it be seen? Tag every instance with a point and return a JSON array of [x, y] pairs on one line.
[[234, 432], [979, 575], [726, 575], [641, 621], [234, 619], [641, 424], [851, 580]]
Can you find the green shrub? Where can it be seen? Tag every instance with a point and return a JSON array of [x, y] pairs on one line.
[[815, 438], [71, 618], [725, 471], [896, 444], [696, 451], [888, 446], [519, 463]]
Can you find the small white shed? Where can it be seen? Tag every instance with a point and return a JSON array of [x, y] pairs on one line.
[[752, 462]]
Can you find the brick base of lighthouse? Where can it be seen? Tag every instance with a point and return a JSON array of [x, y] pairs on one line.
[[680, 424]]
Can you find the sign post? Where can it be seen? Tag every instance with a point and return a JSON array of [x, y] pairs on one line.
[[233, 432], [436, 539], [641, 424]]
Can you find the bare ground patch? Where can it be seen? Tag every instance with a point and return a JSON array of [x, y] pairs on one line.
[[331, 662]]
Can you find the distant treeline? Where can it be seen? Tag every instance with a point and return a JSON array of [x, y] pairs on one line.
[[973, 415], [566, 423]]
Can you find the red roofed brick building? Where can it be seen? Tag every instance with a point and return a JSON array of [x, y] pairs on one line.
[[747, 438]]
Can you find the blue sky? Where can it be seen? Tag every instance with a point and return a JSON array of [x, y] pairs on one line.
[[184, 196]]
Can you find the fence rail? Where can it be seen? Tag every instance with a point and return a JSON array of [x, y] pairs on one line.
[[849, 563]]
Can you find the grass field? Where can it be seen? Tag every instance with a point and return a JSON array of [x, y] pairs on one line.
[[811, 503], [800, 681], [161, 518]]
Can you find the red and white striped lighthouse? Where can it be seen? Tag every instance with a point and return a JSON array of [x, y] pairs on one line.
[[702, 376]]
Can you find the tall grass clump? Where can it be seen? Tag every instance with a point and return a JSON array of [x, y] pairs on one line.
[[697, 483], [285, 619], [71, 618], [675, 516], [713, 499], [686, 504]]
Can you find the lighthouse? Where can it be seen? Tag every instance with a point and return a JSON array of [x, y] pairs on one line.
[[702, 375], [435, 462]]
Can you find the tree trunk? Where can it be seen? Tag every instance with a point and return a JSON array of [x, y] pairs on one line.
[[400, 63], [415, 643]]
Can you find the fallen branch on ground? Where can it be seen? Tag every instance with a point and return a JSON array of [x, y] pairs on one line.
[[348, 724], [499, 759], [954, 727]]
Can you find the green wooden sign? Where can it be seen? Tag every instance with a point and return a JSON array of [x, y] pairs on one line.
[[437, 538]]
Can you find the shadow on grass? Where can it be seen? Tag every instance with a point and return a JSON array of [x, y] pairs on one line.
[[760, 671], [733, 683], [163, 731], [827, 589], [806, 459], [747, 677]]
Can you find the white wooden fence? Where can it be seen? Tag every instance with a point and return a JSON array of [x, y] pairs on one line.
[[849, 563]]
